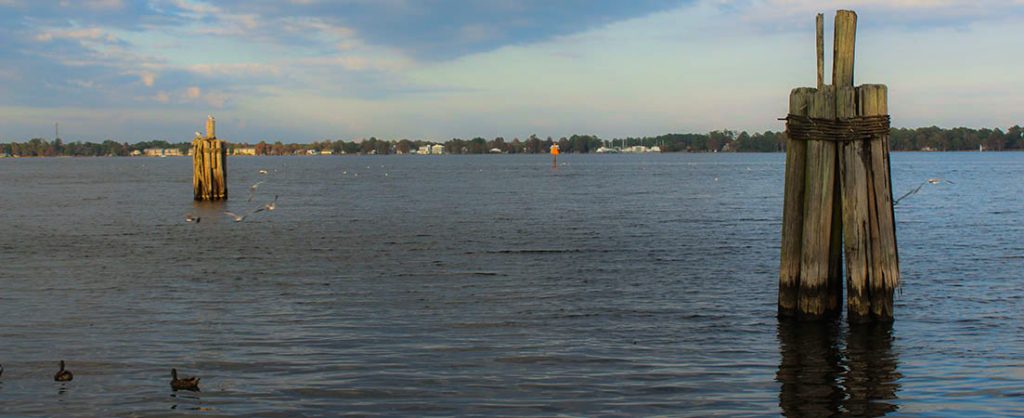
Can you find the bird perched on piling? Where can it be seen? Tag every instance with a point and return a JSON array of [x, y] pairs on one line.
[[63, 375], [185, 383]]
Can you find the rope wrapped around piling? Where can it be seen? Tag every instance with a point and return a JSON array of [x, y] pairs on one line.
[[803, 128]]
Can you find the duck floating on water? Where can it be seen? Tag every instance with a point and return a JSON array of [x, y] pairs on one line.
[[63, 375], [186, 383]]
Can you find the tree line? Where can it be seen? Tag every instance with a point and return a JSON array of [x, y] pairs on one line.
[[38, 147], [901, 139]]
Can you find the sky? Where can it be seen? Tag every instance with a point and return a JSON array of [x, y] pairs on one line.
[[306, 70]]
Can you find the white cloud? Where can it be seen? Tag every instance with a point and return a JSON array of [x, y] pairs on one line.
[[147, 78], [84, 84], [194, 94], [80, 34], [350, 44], [393, 63], [197, 8], [238, 25], [316, 25], [216, 99], [94, 4], [235, 69], [353, 63]]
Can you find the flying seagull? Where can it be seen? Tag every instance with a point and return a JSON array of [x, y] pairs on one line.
[[252, 190], [240, 218], [237, 218], [270, 206], [918, 188]]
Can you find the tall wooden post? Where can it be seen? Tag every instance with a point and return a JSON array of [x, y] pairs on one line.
[[817, 298], [793, 210], [209, 169], [810, 268], [838, 194]]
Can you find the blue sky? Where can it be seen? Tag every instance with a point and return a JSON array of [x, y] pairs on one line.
[[303, 70]]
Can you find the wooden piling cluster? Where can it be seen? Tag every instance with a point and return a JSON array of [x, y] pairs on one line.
[[209, 169], [838, 194]]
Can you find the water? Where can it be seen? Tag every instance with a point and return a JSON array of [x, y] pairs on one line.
[[614, 285]]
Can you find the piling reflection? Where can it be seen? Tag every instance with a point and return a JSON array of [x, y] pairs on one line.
[[872, 377], [209, 210], [826, 373], [810, 368]]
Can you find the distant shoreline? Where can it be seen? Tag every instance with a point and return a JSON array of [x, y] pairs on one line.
[[18, 157], [928, 139]]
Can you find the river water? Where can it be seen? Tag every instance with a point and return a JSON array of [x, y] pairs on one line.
[[612, 285]]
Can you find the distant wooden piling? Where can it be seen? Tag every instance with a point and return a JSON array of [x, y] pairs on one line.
[[838, 194], [209, 168]]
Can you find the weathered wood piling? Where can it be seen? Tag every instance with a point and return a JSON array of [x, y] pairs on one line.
[[838, 193], [209, 169]]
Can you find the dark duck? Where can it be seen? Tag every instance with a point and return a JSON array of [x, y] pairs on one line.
[[185, 383], [63, 375]]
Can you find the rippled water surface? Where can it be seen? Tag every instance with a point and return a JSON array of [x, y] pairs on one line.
[[614, 285]]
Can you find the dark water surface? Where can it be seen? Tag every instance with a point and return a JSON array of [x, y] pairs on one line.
[[614, 285]]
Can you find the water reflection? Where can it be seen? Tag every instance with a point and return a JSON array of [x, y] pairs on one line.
[[830, 370], [186, 398], [810, 368], [209, 209], [871, 370]]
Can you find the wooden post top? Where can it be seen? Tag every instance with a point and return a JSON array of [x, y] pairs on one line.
[[843, 44], [842, 54]]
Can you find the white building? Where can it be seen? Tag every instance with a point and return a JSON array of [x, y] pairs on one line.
[[244, 151], [162, 152], [430, 150]]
